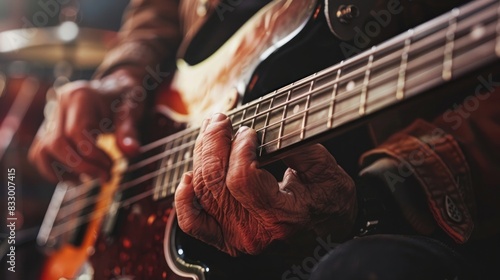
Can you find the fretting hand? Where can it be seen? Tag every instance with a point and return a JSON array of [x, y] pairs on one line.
[[232, 204]]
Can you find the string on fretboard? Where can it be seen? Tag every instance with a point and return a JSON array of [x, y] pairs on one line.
[[408, 64]]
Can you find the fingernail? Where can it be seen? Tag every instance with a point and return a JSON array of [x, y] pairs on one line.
[[218, 117], [240, 130]]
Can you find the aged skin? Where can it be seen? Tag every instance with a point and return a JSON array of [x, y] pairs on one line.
[[232, 204]]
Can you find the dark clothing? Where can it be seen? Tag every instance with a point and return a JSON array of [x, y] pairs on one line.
[[392, 257]]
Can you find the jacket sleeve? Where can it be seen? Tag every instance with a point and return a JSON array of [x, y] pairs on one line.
[[149, 36], [456, 163]]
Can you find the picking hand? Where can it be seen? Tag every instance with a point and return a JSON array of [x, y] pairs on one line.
[[67, 147], [232, 204]]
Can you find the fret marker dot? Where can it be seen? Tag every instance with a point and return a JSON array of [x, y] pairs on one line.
[[350, 85], [187, 155], [477, 32], [170, 161], [296, 109]]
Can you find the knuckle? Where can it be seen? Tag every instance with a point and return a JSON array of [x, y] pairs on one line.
[[73, 131], [54, 144], [218, 130], [70, 95]]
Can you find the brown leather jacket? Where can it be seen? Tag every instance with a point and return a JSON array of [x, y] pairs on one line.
[[455, 159]]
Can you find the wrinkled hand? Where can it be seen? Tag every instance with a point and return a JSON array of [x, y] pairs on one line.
[[232, 204], [66, 147]]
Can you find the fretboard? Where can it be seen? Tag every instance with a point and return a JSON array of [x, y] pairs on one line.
[[436, 52]]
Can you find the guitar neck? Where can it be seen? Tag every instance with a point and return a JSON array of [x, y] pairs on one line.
[[434, 53]]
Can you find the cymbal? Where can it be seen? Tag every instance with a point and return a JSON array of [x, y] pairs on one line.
[[81, 47]]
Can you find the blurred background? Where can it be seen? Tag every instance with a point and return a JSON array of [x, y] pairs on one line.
[[43, 44]]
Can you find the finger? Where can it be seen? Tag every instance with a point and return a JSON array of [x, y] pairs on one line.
[[215, 149], [49, 167], [247, 183], [192, 219], [127, 122]]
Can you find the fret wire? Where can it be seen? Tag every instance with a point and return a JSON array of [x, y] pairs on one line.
[[336, 115], [266, 122], [306, 108], [464, 43], [450, 42], [400, 91], [148, 194], [392, 42], [339, 98], [282, 118], [143, 178], [243, 114], [421, 82], [332, 102], [497, 36], [497, 45], [351, 75], [418, 66], [187, 156], [364, 90], [292, 100]]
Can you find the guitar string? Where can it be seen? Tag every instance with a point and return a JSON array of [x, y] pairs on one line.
[[339, 98], [309, 93]]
